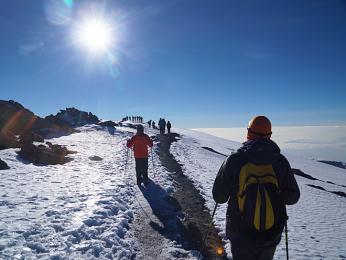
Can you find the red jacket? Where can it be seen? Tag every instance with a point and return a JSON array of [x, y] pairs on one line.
[[140, 143]]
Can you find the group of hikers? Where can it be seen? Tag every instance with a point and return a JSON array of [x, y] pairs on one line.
[[257, 183], [162, 125], [134, 119]]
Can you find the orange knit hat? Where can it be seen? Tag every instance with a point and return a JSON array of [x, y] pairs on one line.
[[259, 127]]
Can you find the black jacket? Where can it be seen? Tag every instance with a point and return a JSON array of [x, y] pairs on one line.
[[259, 152]]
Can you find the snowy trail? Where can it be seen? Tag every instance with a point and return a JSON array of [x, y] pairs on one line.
[[148, 227], [196, 216], [157, 224]]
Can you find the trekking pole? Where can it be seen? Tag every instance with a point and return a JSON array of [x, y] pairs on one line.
[[152, 161], [127, 157], [207, 233], [286, 235]]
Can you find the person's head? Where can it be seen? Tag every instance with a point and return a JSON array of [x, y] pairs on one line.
[[140, 129], [259, 127]]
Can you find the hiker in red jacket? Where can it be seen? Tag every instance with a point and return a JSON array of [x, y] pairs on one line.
[[140, 142]]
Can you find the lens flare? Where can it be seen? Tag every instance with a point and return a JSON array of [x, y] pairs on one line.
[[219, 251], [69, 3]]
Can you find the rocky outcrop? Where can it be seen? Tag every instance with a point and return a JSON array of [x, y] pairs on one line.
[[8, 140], [15, 120], [73, 117], [45, 155], [108, 123], [3, 165]]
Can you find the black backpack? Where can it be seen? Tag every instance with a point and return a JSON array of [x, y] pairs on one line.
[[260, 203]]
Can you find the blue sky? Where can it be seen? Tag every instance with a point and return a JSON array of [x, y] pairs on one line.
[[197, 63]]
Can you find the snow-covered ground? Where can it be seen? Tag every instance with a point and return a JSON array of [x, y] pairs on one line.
[[317, 224], [80, 210], [86, 209]]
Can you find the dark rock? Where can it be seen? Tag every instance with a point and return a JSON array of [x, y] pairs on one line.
[[340, 193], [41, 154], [8, 140], [73, 117], [19, 120], [3, 165], [29, 152], [334, 163], [30, 137], [108, 123], [212, 150], [302, 174], [95, 158], [316, 187]]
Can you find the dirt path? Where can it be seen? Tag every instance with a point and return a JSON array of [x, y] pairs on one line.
[[196, 216], [164, 219]]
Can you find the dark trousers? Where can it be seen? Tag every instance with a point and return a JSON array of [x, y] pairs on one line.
[[252, 253], [142, 170]]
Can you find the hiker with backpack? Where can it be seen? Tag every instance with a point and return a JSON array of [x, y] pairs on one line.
[[258, 183], [140, 143]]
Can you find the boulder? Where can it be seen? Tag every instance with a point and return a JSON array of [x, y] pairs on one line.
[[108, 123], [46, 155], [95, 158], [3, 165], [30, 137]]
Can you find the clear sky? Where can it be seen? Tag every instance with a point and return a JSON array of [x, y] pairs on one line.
[[197, 63]]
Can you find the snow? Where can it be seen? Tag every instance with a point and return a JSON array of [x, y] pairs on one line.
[[88, 209], [316, 226], [82, 209]]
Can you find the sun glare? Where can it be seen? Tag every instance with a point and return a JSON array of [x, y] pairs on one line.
[[95, 35]]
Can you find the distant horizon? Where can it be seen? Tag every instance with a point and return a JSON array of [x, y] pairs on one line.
[[320, 142], [177, 123]]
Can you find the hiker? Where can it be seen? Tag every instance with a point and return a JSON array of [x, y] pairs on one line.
[[162, 125], [169, 127], [257, 181], [140, 143], [153, 125], [149, 123]]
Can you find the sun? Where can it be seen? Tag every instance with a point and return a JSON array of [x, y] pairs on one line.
[[95, 35]]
